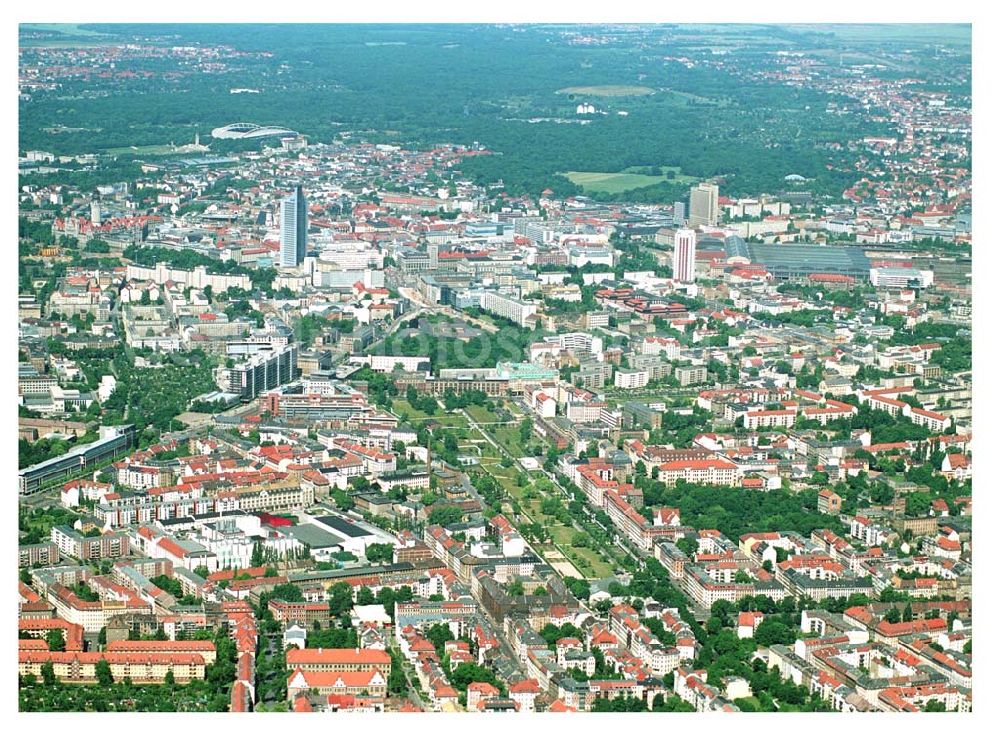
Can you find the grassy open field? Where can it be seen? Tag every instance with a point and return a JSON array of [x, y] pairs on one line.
[[681, 98], [449, 420], [61, 43], [588, 562], [152, 149], [64, 28], [915, 33], [481, 415], [508, 476], [455, 422], [510, 438], [607, 90], [70, 35], [402, 408], [617, 182]]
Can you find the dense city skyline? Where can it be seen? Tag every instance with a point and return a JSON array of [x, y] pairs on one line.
[[516, 368]]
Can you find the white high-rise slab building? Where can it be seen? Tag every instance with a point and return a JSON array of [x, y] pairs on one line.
[[704, 205]]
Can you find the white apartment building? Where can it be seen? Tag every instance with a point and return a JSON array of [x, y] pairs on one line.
[[630, 379], [509, 308], [768, 419], [901, 278], [667, 345]]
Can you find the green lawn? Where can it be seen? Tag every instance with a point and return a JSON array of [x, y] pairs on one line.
[[598, 568], [480, 415], [608, 90], [70, 35], [617, 182], [64, 28], [587, 561], [516, 492], [152, 149], [488, 451], [510, 438], [451, 420], [562, 538], [562, 535], [753, 701], [877, 33], [508, 477], [401, 407]]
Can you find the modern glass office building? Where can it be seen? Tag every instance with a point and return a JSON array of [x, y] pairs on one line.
[[113, 441], [293, 229]]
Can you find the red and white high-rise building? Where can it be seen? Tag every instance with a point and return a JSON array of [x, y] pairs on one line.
[[684, 246]]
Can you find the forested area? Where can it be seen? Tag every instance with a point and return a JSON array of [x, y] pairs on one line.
[[34, 526], [483, 350], [735, 512], [399, 85], [143, 396]]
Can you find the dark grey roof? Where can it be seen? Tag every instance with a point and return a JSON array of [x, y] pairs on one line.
[[351, 529], [311, 535]]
